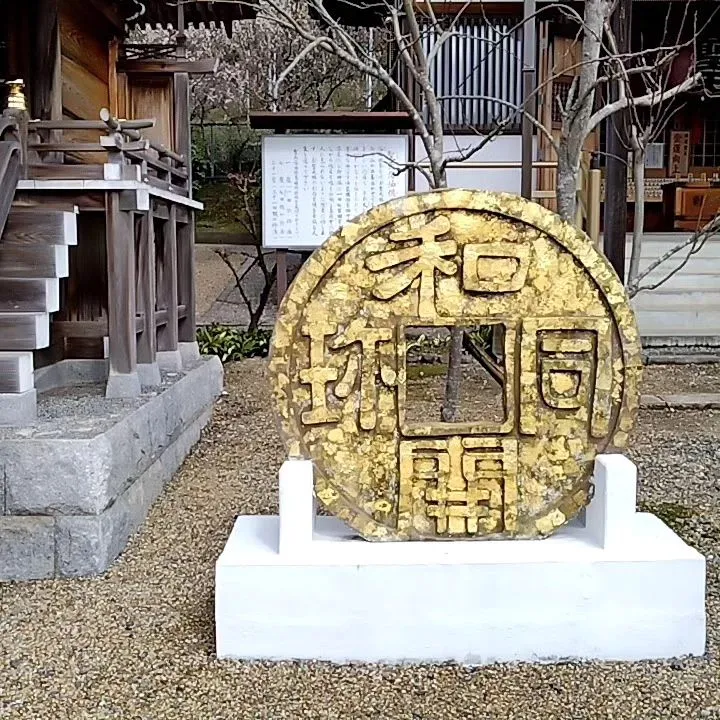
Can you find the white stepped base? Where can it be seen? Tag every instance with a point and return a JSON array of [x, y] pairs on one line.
[[621, 586]]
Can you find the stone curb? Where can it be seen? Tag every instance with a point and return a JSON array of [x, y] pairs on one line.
[[688, 401]]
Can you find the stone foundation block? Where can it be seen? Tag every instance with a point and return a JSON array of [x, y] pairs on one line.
[[89, 495], [87, 545], [27, 548], [190, 354], [18, 409]]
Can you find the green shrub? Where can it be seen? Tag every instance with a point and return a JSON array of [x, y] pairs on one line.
[[233, 343]]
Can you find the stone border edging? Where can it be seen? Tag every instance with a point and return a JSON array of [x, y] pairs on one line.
[[682, 401]]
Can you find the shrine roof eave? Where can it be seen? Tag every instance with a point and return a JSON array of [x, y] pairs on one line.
[[331, 120], [373, 13], [197, 12]]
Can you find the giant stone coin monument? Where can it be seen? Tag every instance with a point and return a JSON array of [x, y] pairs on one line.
[[564, 566], [455, 259]]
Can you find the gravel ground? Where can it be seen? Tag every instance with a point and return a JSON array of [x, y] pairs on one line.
[[82, 411], [658, 379], [138, 642], [212, 276], [480, 396], [219, 301]]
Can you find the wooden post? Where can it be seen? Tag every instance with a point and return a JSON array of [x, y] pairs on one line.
[[187, 342], [616, 168], [147, 343], [529, 101], [593, 199], [411, 158], [168, 354], [182, 122], [123, 380], [113, 93], [281, 281]]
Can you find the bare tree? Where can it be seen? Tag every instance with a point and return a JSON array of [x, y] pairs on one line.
[[251, 59], [600, 65], [690, 246], [246, 185], [423, 105], [646, 125]]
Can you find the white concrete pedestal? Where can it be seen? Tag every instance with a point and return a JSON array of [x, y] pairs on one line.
[[619, 585]]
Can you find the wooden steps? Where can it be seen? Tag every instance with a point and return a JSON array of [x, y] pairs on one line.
[[29, 295], [18, 260], [32, 226], [33, 258], [24, 331]]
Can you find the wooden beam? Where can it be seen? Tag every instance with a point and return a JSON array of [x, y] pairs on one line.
[[65, 172], [161, 318], [16, 372], [90, 328], [24, 331], [205, 66], [331, 120], [29, 295], [43, 58], [20, 260], [67, 200], [168, 292], [146, 290], [80, 328], [46, 227], [160, 210], [121, 288]]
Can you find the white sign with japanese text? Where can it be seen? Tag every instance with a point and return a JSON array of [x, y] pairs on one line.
[[313, 184]]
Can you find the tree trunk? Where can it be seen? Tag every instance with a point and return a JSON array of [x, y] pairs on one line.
[[639, 220], [576, 120], [566, 187], [451, 404]]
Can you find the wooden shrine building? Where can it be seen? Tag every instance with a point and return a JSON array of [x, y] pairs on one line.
[[96, 204], [479, 73]]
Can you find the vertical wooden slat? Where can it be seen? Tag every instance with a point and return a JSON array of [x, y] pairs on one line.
[[113, 78], [168, 293], [122, 95], [186, 277], [281, 281], [181, 115], [146, 346], [121, 288]]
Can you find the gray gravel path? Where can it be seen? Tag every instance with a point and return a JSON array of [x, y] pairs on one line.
[[138, 643]]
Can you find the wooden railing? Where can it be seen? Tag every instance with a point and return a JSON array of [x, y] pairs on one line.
[[10, 164], [139, 292], [51, 156]]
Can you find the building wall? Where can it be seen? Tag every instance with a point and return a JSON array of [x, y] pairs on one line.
[[84, 37], [504, 148]]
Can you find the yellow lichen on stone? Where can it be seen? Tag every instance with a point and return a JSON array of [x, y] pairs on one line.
[[571, 363]]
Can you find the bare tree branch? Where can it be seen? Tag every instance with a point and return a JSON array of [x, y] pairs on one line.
[[695, 242]]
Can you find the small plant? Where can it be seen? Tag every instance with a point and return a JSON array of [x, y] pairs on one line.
[[481, 337], [233, 343]]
